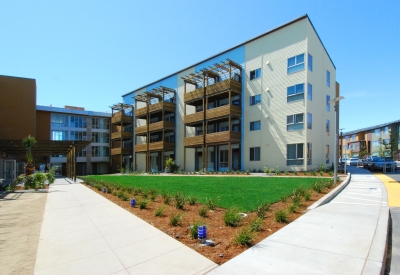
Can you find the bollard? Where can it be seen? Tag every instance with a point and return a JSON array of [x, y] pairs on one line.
[[133, 202], [104, 190], [202, 233]]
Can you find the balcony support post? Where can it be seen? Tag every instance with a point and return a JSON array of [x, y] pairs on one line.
[[184, 158], [229, 156], [206, 157]]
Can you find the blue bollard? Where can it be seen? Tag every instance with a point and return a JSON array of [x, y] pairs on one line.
[[202, 233], [133, 202], [104, 190]]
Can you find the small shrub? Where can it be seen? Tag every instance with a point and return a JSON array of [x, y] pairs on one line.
[[277, 170], [159, 211], [124, 196], [321, 173], [284, 197], [296, 199], [329, 184], [203, 211], [179, 200], [313, 173], [266, 169], [145, 194], [295, 173], [211, 204], [271, 170], [153, 194], [175, 219], [304, 173], [293, 207], [143, 204], [330, 173], [281, 216], [262, 209], [193, 229], [167, 198], [244, 237], [232, 217], [307, 196], [255, 225], [318, 186], [192, 200], [286, 172]]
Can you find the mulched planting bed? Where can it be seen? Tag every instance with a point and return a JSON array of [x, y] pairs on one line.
[[222, 235]]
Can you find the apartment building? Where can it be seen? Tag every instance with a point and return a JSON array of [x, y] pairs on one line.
[[265, 102], [368, 141], [76, 124]]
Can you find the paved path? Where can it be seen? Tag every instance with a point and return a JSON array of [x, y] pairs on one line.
[[84, 233], [345, 236]]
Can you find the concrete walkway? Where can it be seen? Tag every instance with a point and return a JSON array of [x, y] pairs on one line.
[[84, 233], [346, 236]]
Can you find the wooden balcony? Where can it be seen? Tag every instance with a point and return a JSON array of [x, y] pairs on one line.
[[141, 130], [162, 146], [194, 96], [223, 137], [158, 126], [119, 151], [141, 148], [223, 86], [233, 110], [158, 107], [121, 135], [193, 118], [121, 118], [193, 141]]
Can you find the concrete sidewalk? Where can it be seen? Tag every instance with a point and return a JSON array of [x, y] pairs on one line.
[[84, 233], [346, 236]]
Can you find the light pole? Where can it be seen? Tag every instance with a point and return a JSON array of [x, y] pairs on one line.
[[336, 102]]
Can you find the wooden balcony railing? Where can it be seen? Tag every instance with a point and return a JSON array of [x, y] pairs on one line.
[[226, 110], [121, 135], [193, 118], [141, 130], [162, 146], [158, 107], [194, 95], [119, 151], [141, 148], [120, 117], [158, 126], [193, 141], [223, 137], [222, 86]]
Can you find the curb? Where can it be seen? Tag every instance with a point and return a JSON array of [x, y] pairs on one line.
[[328, 197]]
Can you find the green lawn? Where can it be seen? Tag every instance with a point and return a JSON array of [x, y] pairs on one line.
[[243, 192]]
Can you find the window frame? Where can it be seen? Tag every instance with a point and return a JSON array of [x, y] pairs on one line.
[[296, 66], [309, 153], [253, 125], [309, 91], [255, 99], [291, 126], [298, 160], [328, 78], [253, 153], [328, 104], [327, 127], [255, 74], [309, 121], [296, 95], [310, 62]]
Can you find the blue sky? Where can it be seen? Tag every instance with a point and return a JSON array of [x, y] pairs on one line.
[[90, 53]]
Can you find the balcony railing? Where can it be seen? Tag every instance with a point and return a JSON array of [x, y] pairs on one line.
[[194, 95], [121, 135], [193, 141], [120, 117], [226, 110], [193, 118], [219, 87], [162, 146], [154, 127], [119, 151], [223, 137], [158, 107], [141, 130], [141, 148]]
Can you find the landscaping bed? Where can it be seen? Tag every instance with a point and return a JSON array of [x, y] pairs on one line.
[[291, 202]]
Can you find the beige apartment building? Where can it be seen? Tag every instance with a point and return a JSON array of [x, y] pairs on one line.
[[265, 102]]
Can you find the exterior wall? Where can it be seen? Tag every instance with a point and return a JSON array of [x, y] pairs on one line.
[[17, 94], [42, 125]]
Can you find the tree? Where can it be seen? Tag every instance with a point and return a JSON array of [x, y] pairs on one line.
[[29, 142]]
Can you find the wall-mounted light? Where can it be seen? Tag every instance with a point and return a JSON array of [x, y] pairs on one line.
[[267, 63], [267, 90]]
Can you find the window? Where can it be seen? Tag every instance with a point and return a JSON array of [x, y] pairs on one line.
[[78, 122], [375, 143], [328, 104], [100, 151], [77, 135], [254, 153], [328, 78], [255, 125], [59, 120], [100, 137], [353, 137], [309, 121], [386, 130], [255, 74], [309, 153], [295, 122], [82, 153], [59, 135], [377, 132], [327, 154], [255, 99], [295, 92], [295, 154], [223, 158], [310, 62], [327, 127], [295, 63], [347, 138], [101, 123], [309, 91]]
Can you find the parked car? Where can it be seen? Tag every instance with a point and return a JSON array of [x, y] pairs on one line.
[[353, 161], [365, 162], [378, 163]]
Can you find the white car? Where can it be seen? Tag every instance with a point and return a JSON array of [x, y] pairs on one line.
[[353, 161]]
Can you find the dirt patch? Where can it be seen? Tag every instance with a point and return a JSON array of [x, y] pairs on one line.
[[222, 235], [21, 216]]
